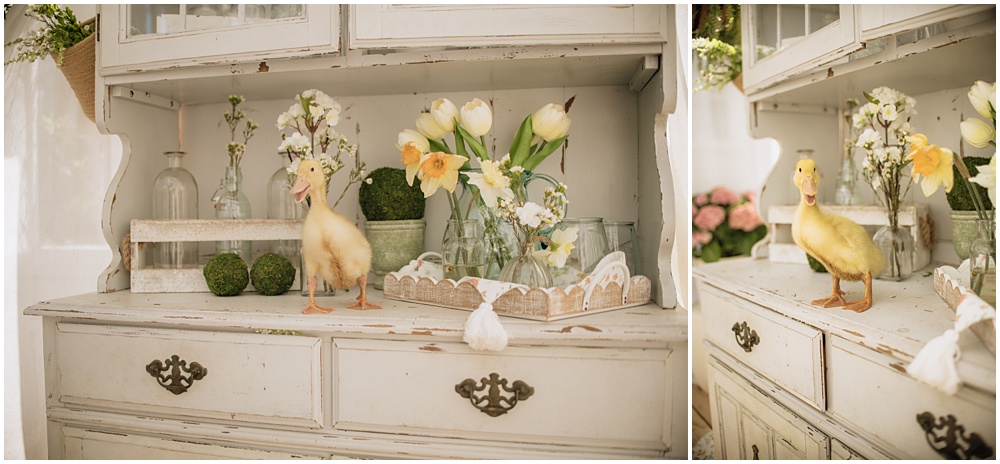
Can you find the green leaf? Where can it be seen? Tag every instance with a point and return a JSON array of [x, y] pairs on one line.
[[474, 144], [547, 150], [870, 98], [460, 146], [522, 143], [711, 252], [436, 145]]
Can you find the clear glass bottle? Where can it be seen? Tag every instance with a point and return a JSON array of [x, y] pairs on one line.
[[527, 270], [847, 181], [231, 203], [621, 237], [175, 196], [983, 266], [281, 205], [896, 245], [463, 250]]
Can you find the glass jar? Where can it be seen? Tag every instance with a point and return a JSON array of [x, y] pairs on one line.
[[231, 203], [281, 205], [463, 250], [983, 265], [847, 181], [896, 245], [525, 269], [621, 237], [175, 196]]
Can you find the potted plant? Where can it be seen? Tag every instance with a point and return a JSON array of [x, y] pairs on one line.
[[963, 208], [716, 39], [394, 211]]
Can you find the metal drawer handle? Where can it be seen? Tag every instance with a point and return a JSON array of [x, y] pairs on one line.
[[953, 444], [494, 402], [745, 337], [755, 451], [176, 382]]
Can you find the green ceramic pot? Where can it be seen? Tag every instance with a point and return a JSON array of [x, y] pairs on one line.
[[963, 231], [394, 245]]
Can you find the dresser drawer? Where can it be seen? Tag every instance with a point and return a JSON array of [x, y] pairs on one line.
[[751, 425], [272, 379], [869, 390], [579, 396], [82, 443], [786, 351]]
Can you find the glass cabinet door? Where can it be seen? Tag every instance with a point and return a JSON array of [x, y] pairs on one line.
[[780, 41], [150, 37]]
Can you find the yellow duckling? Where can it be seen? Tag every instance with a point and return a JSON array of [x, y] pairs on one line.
[[840, 244], [332, 246]]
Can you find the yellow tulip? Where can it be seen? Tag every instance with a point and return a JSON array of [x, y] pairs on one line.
[[982, 95], [429, 128], [445, 113], [977, 132], [932, 162], [477, 118], [550, 122]]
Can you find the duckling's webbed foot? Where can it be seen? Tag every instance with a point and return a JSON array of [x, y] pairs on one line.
[[312, 307], [835, 300], [865, 303], [363, 302]]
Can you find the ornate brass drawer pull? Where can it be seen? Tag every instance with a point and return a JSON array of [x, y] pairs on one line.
[[176, 382], [756, 457], [494, 402], [745, 337], [954, 443]]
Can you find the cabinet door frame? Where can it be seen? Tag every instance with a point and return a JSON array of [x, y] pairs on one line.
[[836, 40], [878, 21], [317, 32]]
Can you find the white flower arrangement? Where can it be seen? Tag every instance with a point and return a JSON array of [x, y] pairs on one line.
[[311, 120], [235, 149], [885, 126], [529, 218]]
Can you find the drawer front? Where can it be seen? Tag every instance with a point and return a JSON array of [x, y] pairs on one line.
[[868, 391], [79, 443], [261, 378], [840, 452], [593, 396], [788, 352], [752, 425]]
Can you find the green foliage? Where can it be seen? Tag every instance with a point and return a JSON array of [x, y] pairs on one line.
[[727, 241], [719, 22], [959, 198], [389, 198], [226, 274], [716, 39], [272, 274], [814, 264], [60, 30]]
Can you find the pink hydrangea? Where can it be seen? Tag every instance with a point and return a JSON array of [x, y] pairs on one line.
[[701, 199], [750, 195], [694, 210], [700, 237], [709, 217], [724, 196], [744, 217]]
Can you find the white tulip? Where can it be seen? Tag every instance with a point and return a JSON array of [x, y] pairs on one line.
[[427, 126], [977, 132], [987, 177], [982, 95], [445, 113], [418, 140], [550, 122], [477, 118]]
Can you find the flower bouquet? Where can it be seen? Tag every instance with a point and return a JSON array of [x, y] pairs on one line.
[[724, 224], [230, 201]]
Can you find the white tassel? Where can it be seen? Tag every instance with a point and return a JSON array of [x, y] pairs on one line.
[[483, 331], [935, 363]]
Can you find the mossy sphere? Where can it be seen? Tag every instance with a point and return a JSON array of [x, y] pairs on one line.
[[226, 274], [389, 198], [959, 198], [272, 274], [814, 264]]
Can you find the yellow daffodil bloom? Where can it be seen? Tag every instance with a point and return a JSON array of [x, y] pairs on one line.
[[492, 183], [560, 246], [439, 169], [932, 162], [411, 157]]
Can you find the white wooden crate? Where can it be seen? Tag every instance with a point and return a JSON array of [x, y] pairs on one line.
[[149, 280], [912, 217]]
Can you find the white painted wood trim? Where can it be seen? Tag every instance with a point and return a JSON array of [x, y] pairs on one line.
[[207, 230], [875, 24]]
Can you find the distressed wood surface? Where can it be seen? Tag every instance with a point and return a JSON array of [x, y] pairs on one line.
[[182, 281], [904, 317], [204, 230], [646, 325], [83, 443]]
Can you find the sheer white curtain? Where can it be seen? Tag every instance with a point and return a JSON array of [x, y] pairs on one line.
[[57, 168]]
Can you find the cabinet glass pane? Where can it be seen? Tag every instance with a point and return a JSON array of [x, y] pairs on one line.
[[821, 16], [793, 24], [766, 29], [166, 19]]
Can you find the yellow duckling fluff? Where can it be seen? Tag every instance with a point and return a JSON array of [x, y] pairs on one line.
[[842, 245], [332, 246]]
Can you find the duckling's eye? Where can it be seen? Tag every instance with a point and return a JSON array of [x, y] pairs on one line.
[[313, 169], [800, 169]]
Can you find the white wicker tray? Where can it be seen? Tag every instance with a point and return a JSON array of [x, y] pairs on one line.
[[948, 286]]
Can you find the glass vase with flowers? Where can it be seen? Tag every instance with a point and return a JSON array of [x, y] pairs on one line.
[[230, 201]]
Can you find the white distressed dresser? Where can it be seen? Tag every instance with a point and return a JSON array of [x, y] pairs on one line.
[[788, 380], [198, 376], [273, 383]]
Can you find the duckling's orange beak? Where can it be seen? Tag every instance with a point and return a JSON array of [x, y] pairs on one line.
[[300, 189], [809, 189]]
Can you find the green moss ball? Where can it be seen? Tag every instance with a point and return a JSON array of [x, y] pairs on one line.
[[226, 274], [272, 274], [814, 264], [959, 198], [389, 198]]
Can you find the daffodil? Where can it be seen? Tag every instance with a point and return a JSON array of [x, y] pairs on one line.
[[477, 118], [445, 113], [439, 169], [561, 244], [550, 122], [987, 177], [492, 183], [411, 157], [429, 128], [977, 132], [932, 162]]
